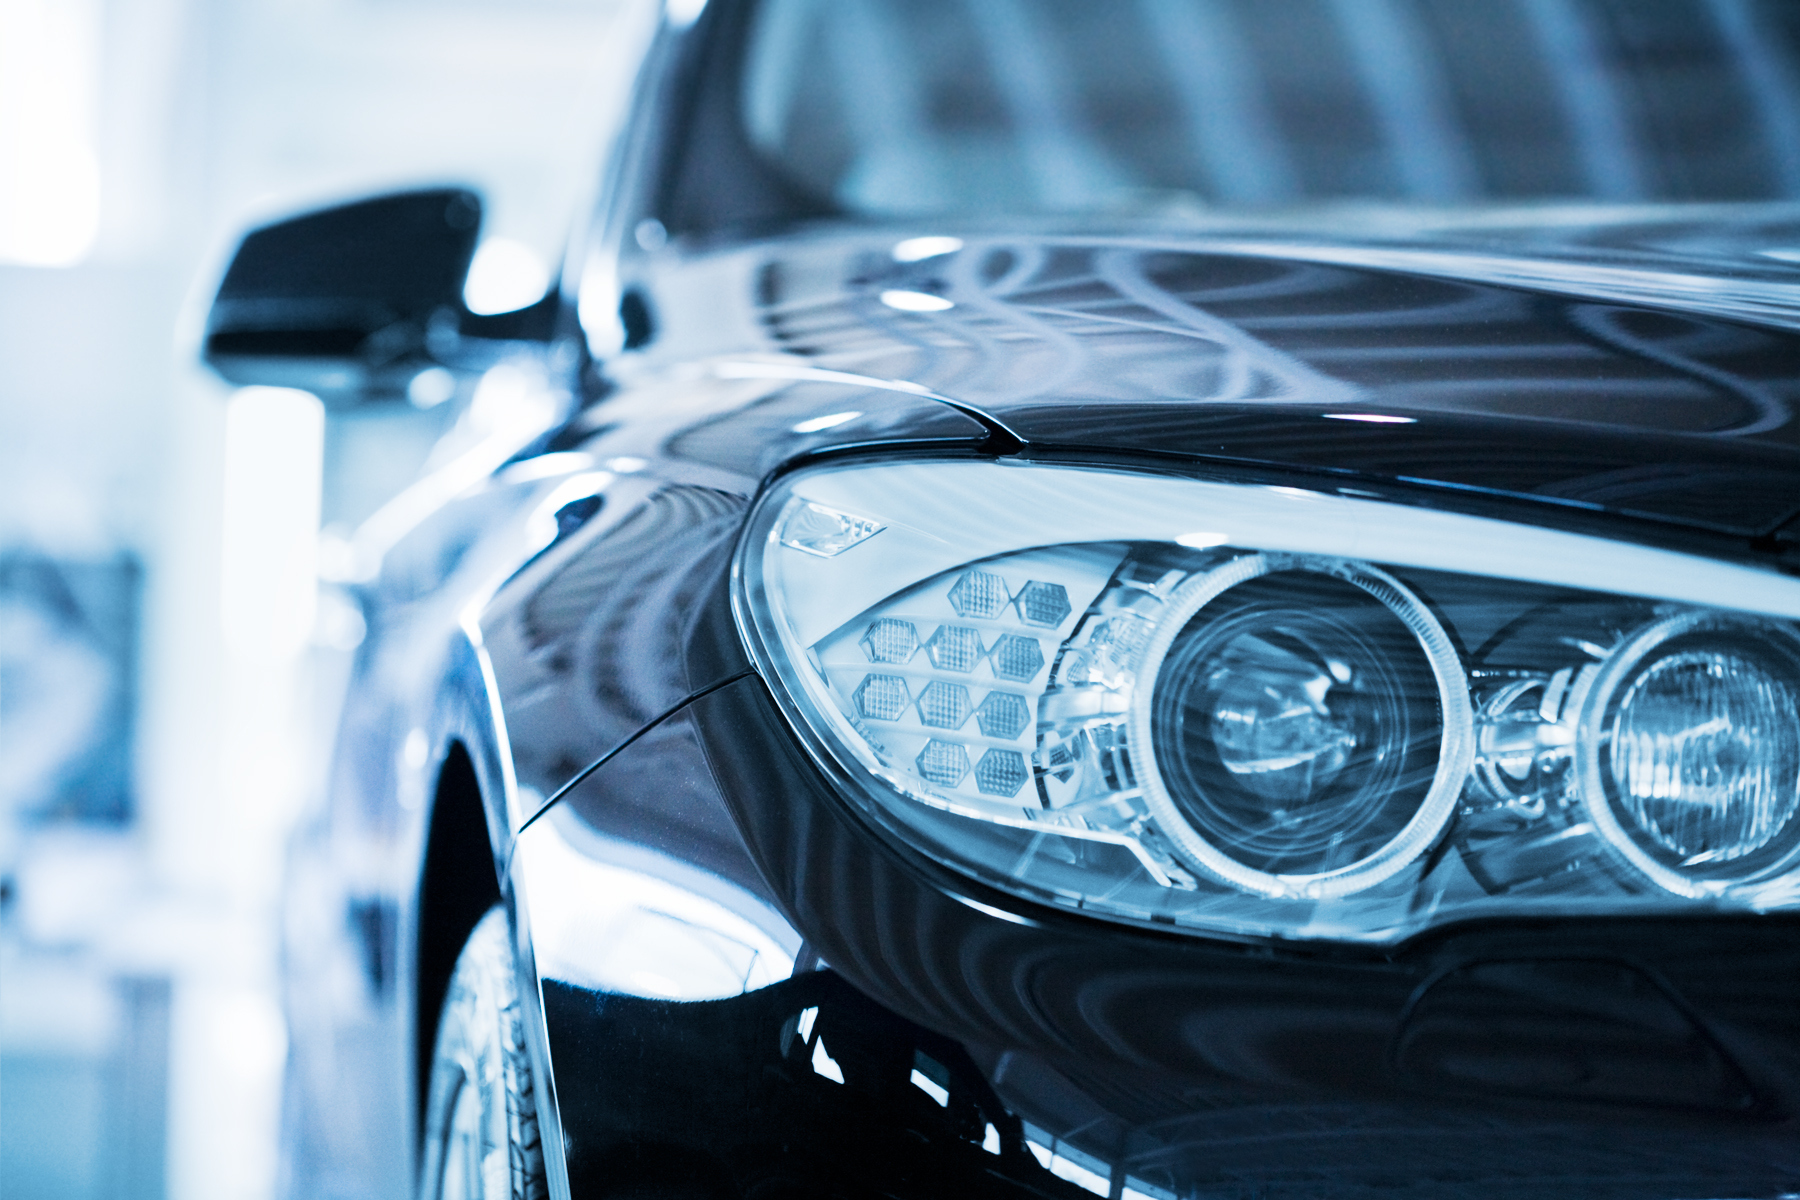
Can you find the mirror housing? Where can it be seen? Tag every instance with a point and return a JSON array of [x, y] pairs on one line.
[[346, 302]]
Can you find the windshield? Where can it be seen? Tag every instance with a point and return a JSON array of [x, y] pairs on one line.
[[927, 107]]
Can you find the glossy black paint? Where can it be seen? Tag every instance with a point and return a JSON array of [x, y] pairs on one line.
[[1687, 1025], [775, 1127], [1140, 344], [343, 301]]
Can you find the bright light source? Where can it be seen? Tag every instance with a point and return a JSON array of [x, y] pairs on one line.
[[1371, 418], [415, 750], [274, 451], [249, 1035], [920, 248], [505, 276], [830, 422], [682, 13], [1203, 540], [49, 91], [430, 388], [919, 302]]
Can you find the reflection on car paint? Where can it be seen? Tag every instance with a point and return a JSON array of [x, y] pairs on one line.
[[810, 1087], [1215, 348], [616, 916]]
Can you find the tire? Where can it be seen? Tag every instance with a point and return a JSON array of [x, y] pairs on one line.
[[481, 1131]]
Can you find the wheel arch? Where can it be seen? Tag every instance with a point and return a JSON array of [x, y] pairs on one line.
[[458, 884]]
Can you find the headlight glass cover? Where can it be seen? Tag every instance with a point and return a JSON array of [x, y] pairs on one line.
[[1255, 710]]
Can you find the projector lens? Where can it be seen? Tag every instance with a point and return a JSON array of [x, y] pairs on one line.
[[1298, 724]]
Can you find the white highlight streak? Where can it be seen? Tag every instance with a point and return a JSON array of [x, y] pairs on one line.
[[917, 302], [931, 1087], [818, 424], [921, 248], [824, 1064]]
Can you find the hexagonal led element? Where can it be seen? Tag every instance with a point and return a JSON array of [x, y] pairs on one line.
[[943, 763], [944, 705], [1002, 715], [1043, 603], [1017, 658], [1001, 772], [979, 594], [954, 648], [881, 697], [890, 641]]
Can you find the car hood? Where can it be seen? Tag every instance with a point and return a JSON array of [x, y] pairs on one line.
[[1645, 362]]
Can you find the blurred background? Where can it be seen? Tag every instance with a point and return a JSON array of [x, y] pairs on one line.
[[167, 671]]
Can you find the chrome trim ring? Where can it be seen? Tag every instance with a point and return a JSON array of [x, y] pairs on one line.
[[1456, 749]]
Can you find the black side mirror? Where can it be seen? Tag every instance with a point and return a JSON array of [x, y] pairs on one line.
[[345, 302]]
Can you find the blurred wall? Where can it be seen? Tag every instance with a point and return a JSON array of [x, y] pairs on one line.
[[140, 1042]]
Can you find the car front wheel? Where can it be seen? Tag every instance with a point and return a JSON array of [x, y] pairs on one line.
[[481, 1132]]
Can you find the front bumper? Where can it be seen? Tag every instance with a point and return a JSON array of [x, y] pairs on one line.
[[1603, 1059]]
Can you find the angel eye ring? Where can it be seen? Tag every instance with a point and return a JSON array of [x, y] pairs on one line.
[[1306, 727]]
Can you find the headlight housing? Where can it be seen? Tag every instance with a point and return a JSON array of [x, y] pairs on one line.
[[1259, 710]]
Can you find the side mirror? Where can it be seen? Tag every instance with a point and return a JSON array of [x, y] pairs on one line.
[[346, 302]]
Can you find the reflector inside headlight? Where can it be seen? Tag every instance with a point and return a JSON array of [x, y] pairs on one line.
[[1261, 710], [1690, 751]]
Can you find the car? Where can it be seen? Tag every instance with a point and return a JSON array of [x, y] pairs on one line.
[[1187, 599]]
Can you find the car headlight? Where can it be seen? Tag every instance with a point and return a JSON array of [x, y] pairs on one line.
[[1247, 709]]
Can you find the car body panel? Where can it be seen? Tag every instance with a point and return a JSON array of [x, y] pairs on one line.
[[1206, 348]]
